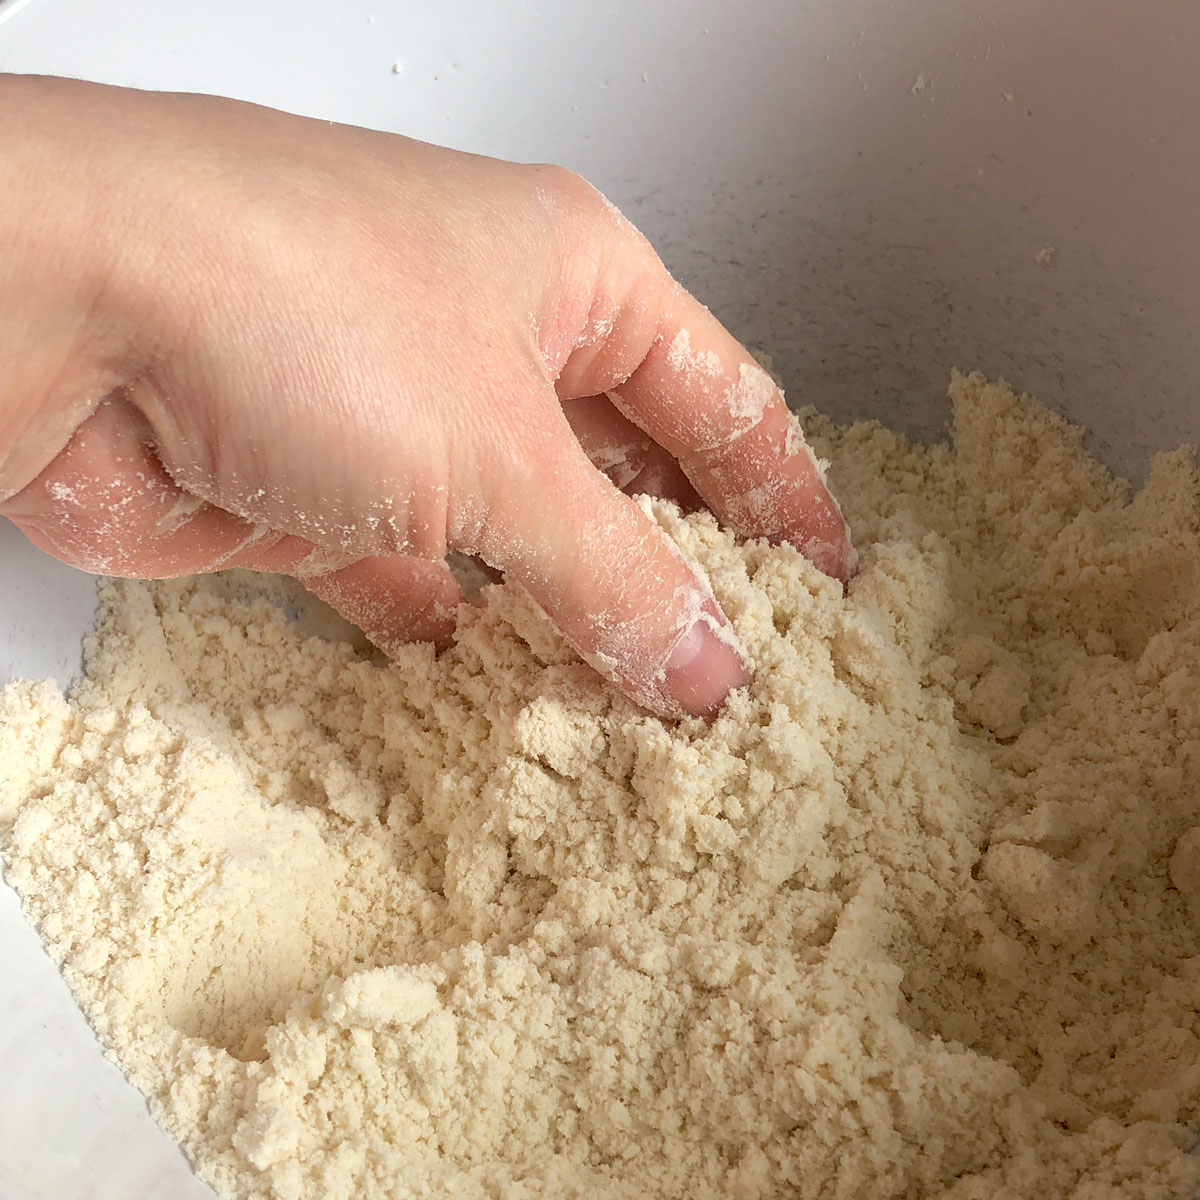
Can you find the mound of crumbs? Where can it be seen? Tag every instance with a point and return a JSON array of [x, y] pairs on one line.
[[917, 916]]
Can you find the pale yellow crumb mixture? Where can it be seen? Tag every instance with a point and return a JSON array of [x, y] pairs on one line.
[[918, 916]]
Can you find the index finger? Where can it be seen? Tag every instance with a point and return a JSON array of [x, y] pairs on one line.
[[700, 395]]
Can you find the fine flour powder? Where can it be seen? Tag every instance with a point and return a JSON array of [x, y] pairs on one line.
[[917, 916]]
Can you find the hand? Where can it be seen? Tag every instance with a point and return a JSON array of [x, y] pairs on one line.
[[257, 340]]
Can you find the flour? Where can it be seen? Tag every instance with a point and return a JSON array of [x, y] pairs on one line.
[[918, 915]]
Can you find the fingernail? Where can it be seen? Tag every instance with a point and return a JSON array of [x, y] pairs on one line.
[[838, 559], [849, 559], [702, 670]]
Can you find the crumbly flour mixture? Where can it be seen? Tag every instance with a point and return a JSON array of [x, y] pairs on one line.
[[917, 916]]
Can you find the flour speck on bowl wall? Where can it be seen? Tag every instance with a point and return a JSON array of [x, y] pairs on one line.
[[917, 916]]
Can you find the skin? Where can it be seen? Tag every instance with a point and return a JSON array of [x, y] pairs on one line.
[[235, 337]]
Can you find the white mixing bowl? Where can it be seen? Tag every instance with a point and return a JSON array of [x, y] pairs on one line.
[[865, 188]]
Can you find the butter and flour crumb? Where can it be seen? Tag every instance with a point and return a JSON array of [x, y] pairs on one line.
[[917, 916]]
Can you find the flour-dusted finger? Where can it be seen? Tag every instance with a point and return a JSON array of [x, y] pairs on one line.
[[608, 576], [630, 458], [393, 600], [702, 397]]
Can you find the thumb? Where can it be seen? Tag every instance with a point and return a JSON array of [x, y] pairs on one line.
[[618, 588]]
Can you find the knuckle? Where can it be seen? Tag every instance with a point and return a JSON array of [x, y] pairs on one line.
[[581, 206], [567, 187]]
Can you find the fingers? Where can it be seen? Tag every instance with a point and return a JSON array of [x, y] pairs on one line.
[[393, 600], [106, 505], [700, 396], [671, 368], [627, 455], [616, 586]]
